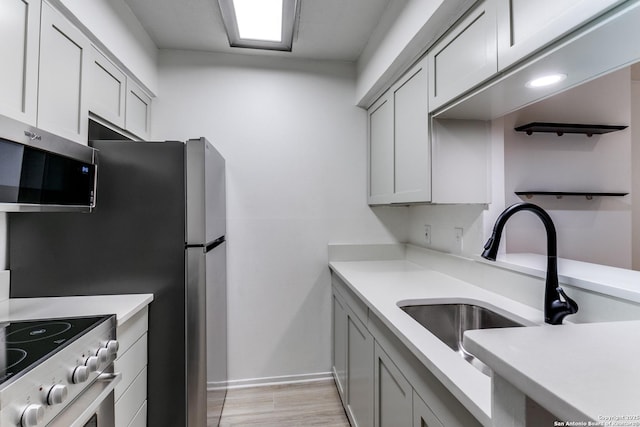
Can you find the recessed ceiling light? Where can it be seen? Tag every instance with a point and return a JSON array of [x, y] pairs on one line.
[[547, 80], [259, 24]]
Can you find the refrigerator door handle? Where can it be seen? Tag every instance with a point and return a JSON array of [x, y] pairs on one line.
[[208, 246]]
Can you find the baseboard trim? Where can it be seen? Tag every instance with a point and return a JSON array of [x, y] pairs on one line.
[[268, 381]]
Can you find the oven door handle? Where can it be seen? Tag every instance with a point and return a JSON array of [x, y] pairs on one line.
[[87, 403]]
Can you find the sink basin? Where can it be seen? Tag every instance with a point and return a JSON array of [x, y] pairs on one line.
[[449, 321]]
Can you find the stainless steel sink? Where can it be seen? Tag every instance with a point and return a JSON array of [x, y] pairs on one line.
[[449, 321]]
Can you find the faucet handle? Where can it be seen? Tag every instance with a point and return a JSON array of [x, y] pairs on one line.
[[561, 308], [571, 304]]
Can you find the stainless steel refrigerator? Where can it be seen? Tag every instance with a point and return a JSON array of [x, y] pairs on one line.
[[159, 227]]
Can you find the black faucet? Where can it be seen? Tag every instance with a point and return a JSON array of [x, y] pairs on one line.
[[557, 304]]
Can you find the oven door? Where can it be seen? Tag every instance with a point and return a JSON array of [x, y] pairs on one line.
[[94, 407]]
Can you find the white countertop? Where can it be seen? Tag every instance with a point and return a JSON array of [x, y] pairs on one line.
[[579, 372], [384, 285], [123, 306]]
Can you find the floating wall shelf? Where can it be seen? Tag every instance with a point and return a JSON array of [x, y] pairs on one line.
[[562, 128], [561, 194]]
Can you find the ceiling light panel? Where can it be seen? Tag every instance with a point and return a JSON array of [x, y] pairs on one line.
[[260, 24], [259, 19]]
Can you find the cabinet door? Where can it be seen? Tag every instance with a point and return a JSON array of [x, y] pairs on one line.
[[461, 153], [525, 26], [422, 415], [138, 115], [381, 151], [19, 36], [64, 59], [359, 372], [412, 163], [107, 91], [339, 343], [392, 393], [465, 57]]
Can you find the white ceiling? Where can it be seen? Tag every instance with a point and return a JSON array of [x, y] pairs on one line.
[[327, 29]]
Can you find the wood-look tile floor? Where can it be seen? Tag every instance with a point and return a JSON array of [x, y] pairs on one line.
[[288, 405]]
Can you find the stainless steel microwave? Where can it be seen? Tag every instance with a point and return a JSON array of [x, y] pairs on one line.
[[41, 172]]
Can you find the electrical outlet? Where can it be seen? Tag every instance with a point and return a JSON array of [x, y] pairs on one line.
[[427, 234], [459, 233]]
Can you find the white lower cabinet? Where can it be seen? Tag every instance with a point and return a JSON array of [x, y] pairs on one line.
[[422, 415], [359, 372], [131, 392], [386, 385], [393, 395], [339, 343]]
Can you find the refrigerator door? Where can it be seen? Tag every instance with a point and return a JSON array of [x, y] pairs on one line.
[[206, 331], [216, 262], [206, 210]]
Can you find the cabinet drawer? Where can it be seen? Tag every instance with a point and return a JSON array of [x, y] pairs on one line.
[[465, 57], [358, 307], [131, 330], [131, 400], [130, 364]]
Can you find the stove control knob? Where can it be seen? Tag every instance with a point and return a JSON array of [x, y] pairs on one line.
[[103, 356], [112, 347], [80, 374], [91, 363], [32, 415], [57, 394]]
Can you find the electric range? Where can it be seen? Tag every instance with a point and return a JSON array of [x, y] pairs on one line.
[[46, 365]]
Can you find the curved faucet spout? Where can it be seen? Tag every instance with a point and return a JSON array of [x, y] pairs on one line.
[[557, 305]]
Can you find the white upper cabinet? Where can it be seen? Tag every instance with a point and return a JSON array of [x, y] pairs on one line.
[[116, 98], [381, 151], [64, 58], [465, 57], [138, 111], [525, 26], [460, 169], [19, 44], [399, 160], [411, 136], [108, 89]]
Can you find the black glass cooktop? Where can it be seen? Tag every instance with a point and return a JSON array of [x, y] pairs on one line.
[[24, 344]]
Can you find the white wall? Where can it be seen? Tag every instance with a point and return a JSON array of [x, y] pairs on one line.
[[117, 28], [295, 147], [597, 230]]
